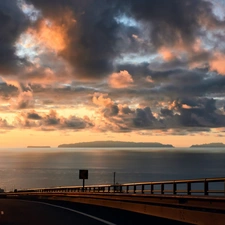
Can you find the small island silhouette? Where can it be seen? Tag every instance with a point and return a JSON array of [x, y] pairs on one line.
[[29, 146], [115, 144], [212, 145]]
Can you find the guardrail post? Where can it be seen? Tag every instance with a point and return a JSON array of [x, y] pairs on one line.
[[188, 188], [224, 187], [152, 188], [174, 188], [206, 187], [162, 189], [128, 188], [142, 188], [134, 189], [108, 188]]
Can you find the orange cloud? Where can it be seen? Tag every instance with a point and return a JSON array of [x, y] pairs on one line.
[[218, 63], [102, 100], [4, 124], [185, 106], [120, 80], [166, 54], [24, 100], [180, 49], [49, 34], [149, 79]]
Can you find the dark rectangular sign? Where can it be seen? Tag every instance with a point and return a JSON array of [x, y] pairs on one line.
[[83, 174]]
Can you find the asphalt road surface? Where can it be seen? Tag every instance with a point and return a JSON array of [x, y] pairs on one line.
[[21, 212]]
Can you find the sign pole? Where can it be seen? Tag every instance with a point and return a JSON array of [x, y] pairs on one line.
[[83, 184], [114, 181]]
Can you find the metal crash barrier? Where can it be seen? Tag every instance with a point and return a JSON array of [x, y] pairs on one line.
[[204, 187]]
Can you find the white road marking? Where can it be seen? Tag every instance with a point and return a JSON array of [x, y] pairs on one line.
[[72, 210]]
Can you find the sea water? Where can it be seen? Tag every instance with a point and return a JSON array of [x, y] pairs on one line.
[[53, 167]]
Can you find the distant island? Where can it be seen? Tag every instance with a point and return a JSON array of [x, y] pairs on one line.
[[212, 145], [115, 144], [38, 147]]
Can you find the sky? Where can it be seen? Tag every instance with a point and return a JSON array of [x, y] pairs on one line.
[[134, 70]]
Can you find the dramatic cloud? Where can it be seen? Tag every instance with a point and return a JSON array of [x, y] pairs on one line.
[[51, 121], [25, 100], [7, 91], [120, 66], [120, 80], [12, 22], [218, 63], [182, 114], [4, 125], [91, 38]]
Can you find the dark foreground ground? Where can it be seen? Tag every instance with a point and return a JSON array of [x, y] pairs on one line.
[[19, 212]]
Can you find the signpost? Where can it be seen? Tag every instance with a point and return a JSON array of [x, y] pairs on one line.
[[83, 174]]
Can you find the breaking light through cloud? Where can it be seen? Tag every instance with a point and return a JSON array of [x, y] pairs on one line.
[[150, 68], [29, 10], [120, 80]]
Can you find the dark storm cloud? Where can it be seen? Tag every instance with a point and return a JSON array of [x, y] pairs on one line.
[[137, 70], [171, 20], [7, 91], [173, 84], [192, 83], [51, 121], [126, 110], [144, 118], [166, 112], [70, 95], [201, 113], [94, 41], [33, 116], [76, 123], [111, 111], [12, 23], [192, 115], [98, 37]]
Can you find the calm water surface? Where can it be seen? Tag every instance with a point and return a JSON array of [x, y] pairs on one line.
[[29, 168]]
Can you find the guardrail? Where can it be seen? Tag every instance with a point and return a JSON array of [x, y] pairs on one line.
[[206, 186]]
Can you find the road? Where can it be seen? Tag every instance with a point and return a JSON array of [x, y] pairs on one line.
[[21, 212]]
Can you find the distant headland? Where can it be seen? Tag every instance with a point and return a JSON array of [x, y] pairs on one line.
[[38, 147], [212, 145], [115, 144]]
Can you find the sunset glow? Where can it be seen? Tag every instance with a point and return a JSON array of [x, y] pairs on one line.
[[144, 71]]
